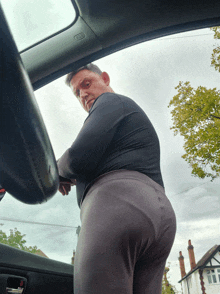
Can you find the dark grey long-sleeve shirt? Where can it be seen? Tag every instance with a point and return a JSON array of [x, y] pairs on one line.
[[117, 134]]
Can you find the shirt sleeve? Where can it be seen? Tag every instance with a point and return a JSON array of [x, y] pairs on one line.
[[82, 158]]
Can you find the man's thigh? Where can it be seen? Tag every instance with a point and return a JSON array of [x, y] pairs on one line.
[[149, 269], [106, 250]]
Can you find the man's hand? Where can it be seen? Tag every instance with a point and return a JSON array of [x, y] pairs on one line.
[[2, 193], [65, 185]]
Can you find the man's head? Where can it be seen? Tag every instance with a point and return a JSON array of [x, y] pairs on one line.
[[88, 83]]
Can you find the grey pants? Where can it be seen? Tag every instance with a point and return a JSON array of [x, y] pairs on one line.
[[128, 228]]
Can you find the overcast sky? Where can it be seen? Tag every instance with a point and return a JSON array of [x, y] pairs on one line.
[[148, 73]]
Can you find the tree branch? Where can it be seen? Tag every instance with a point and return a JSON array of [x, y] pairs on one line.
[[215, 116]]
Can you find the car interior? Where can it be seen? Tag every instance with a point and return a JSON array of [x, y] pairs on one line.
[[28, 169]]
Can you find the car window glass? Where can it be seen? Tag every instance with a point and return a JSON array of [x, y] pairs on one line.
[[148, 73], [37, 20]]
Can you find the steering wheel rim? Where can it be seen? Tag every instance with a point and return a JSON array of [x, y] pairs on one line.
[[28, 169]]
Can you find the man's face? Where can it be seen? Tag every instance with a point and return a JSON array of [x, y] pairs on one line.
[[87, 86]]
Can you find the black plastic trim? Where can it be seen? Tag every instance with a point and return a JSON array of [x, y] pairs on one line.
[[35, 270], [127, 43]]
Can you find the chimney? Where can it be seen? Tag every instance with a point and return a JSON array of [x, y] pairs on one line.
[[73, 258], [182, 265], [191, 255]]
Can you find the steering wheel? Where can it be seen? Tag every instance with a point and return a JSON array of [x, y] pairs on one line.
[[28, 169]]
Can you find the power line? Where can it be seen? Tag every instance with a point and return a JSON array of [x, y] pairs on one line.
[[190, 189], [72, 227], [181, 37], [36, 223]]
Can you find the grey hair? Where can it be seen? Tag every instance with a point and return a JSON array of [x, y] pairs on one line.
[[90, 66]]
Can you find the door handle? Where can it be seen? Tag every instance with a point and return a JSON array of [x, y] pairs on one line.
[[12, 284]]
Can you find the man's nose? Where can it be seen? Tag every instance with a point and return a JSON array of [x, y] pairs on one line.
[[83, 94]]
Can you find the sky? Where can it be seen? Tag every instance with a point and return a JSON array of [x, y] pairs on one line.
[[147, 73]]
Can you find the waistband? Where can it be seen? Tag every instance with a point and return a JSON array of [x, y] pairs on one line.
[[122, 174]]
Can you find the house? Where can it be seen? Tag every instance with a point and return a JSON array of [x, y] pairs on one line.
[[40, 253], [204, 276]]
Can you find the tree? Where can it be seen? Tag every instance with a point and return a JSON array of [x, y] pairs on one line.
[[215, 59], [15, 239], [166, 287], [196, 116]]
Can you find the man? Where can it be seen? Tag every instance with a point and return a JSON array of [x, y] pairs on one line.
[[128, 224]]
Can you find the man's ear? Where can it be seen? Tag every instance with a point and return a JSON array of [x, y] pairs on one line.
[[105, 78]]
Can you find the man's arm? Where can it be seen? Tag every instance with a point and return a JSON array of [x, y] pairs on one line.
[[84, 155]]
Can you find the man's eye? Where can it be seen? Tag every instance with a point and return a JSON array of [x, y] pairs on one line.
[[86, 84]]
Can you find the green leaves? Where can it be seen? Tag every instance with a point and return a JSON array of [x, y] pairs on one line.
[[167, 288], [196, 117], [215, 59], [15, 239]]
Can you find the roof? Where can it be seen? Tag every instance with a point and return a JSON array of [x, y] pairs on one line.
[[103, 27], [204, 260], [40, 253]]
